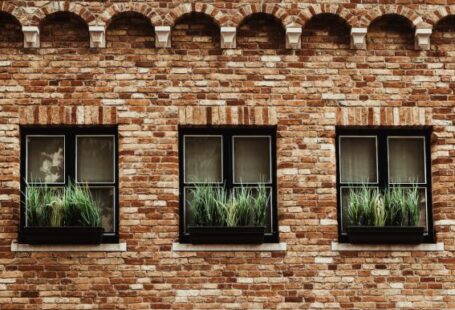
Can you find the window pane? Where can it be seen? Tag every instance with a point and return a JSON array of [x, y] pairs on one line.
[[268, 213], [203, 159], [104, 196], [345, 191], [95, 159], [358, 160], [406, 160], [38, 201], [252, 159], [46, 159]]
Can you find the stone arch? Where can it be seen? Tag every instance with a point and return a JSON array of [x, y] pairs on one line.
[[274, 10], [371, 16], [61, 6], [314, 10], [176, 13], [14, 11], [436, 16], [139, 8]]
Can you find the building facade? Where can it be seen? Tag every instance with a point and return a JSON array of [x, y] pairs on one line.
[[140, 100]]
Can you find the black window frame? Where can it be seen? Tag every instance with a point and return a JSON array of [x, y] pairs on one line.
[[227, 133], [382, 135], [70, 133]]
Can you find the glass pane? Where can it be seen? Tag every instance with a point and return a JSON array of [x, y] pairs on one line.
[[406, 160], [345, 200], [46, 159], [95, 159], [358, 160], [39, 201], [345, 191], [252, 159], [104, 196], [268, 211], [203, 159]]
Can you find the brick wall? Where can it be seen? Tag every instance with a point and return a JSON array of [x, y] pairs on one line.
[[149, 92]]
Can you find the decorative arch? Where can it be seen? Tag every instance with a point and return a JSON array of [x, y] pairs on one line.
[[14, 11], [274, 10], [367, 19], [219, 17], [61, 6], [436, 16], [314, 10], [139, 8]]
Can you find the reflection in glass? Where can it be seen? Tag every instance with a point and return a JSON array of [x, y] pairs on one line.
[[46, 159], [252, 159], [203, 159], [406, 160], [358, 159], [104, 196], [95, 159]]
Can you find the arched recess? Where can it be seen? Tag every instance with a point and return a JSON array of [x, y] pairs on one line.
[[247, 10], [64, 30], [261, 31], [130, 30], [314, 10], [60, 6], [326, 31], [391, 34], [195, 31], [117, 9], [443, 36], [368, 17], [11, 35], [177, 13]]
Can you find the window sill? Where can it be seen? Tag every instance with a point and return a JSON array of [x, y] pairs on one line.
[[105, 247], [264, 247], [423, 247]]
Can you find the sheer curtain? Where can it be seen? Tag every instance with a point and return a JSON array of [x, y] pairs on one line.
[[406, 160], [358, 159], [251, 159], [203, 159]]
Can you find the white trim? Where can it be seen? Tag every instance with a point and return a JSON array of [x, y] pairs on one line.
[[264, 247], [113, 157], [104, 247], [377, 159], [64, 159], [269, 137], [221, 157], [424, 159], [427, 247]]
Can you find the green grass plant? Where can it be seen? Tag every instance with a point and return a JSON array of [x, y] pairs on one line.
[[56, 207], [395, 206], [215, 206]]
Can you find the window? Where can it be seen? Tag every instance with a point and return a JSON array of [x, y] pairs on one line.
[[229, 157], [384, 158], [59, 156]]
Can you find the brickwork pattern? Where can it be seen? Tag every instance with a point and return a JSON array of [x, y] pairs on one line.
[[148, 92]]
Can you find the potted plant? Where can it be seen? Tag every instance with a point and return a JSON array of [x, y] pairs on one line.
[[61, 216], [221, 217], [388, 217]]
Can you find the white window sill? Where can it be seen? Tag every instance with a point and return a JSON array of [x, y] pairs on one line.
[[105, 247], [423, 247], [264, 247]]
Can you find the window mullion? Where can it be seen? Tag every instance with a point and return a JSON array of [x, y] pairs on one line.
[[228, 163], [382, 161]]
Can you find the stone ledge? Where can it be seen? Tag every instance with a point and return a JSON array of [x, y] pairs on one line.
[[106, 247], [265, 247], [427, 247]]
